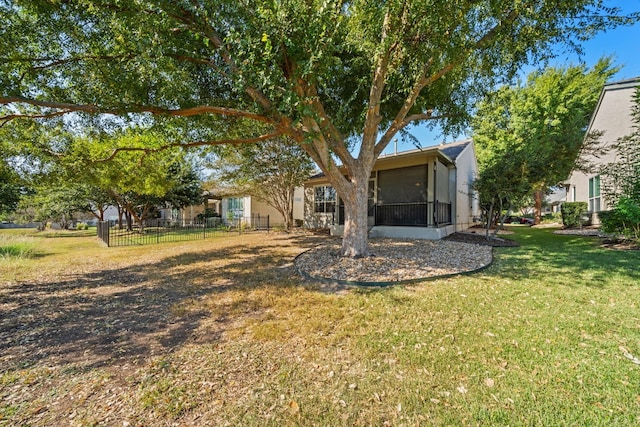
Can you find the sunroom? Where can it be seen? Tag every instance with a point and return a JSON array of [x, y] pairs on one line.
[[412, 194]]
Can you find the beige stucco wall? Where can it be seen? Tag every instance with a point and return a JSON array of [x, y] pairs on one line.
[[258, 207], [312, 219], [466, 205], [441, 183], [613, 117], [189, 213]]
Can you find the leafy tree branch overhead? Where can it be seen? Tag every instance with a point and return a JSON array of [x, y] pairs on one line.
[[340, 78]]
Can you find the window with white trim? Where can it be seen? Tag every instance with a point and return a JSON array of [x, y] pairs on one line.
[[594, 194], [235, 205], [324, 200]]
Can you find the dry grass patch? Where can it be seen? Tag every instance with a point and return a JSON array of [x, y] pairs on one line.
[[223, 333]]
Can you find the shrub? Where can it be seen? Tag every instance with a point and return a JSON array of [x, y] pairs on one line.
[[208, 213], [572, 213], [20, 247], [624, 219], [552, 218], [82, 226], [610, 222]]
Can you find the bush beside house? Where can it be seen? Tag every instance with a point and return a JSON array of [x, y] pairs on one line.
[[572, 213], [624, 219]]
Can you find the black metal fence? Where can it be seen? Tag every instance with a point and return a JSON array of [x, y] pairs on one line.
[[418, 214], [163, 230]]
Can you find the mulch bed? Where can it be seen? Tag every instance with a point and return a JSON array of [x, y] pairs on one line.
[[620, 245], [393, 261], [479, 238], [607, 241]]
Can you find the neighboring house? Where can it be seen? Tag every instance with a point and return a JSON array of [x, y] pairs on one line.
[[613, 117], [422, 194], [189, 214], [250, 208], [554, 200]]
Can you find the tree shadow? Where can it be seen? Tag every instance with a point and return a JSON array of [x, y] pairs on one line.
[[575, 259], [107, 316]]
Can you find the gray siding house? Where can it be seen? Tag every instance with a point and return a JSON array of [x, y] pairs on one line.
[[612, 116]]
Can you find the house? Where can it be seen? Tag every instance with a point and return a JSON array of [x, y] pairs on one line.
[[192, 213], [554, 200], [612, 116], [425, 194], [249, 209]]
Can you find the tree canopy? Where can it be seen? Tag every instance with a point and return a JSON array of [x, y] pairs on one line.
[[340, 78], [70, 173], [530, 136]]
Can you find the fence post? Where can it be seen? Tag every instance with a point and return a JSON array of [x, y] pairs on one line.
[[103, 232], [267, 223]]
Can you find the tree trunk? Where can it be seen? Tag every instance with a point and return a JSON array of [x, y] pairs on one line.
[[120, 214], [489, 221], [290, 219], [537, 209], [129, 220], [355, 241]]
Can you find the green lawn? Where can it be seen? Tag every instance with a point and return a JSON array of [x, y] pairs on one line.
[[221, 332]]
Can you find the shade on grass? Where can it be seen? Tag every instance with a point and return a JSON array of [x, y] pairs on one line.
[[539, 338]]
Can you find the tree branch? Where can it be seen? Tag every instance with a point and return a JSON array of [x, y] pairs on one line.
[[372, 119], [147, 150], [389, 134], [6, 119], [94, 109], [425, 80], [53, 62]]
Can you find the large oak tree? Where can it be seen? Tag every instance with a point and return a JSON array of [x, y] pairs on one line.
[[341, 78]]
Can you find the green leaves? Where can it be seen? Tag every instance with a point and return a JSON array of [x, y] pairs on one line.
[[333, 75], [529, 136], [269, 171]]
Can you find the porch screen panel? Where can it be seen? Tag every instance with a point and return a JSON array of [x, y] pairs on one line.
[[402, 196], [404, 185]]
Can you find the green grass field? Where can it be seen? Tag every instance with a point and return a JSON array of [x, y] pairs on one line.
[[222, 332]]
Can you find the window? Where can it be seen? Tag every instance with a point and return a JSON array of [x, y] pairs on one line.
[[324, 199], [594, 194], [235, 207]]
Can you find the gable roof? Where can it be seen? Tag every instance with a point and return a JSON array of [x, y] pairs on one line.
[[619, 85], [454, 149]]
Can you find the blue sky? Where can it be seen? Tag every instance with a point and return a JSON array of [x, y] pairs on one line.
[[623, 43]]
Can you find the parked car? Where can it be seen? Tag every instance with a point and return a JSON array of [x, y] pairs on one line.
[[518, 220]]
